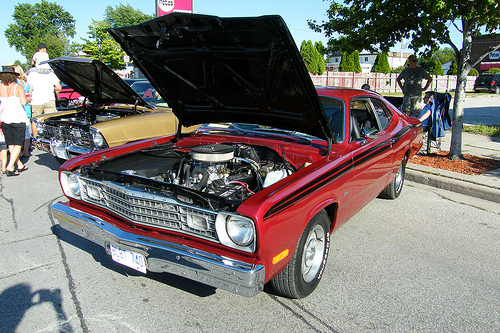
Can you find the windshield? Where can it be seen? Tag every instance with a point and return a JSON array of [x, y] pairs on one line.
[[148, 93], [335, 111]]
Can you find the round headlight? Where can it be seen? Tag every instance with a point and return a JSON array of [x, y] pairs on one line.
[[39, 127], [70, 184], [74, 185], [99, 140], [240, 230]]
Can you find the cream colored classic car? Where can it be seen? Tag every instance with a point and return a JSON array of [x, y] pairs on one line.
[[111, 114]]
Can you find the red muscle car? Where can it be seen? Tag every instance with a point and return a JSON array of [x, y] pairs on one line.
[[252, 196]]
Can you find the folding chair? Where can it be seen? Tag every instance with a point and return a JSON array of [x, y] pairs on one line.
[[434, 127]]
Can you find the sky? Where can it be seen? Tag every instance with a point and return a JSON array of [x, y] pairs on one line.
[[295, 13]]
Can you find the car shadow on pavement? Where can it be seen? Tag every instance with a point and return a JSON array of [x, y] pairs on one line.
[[45, 159], [99, 255]]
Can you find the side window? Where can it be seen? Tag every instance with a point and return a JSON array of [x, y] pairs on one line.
[[363, 119], [335, 112], [383, 114]]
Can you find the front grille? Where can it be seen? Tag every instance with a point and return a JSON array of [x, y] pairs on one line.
[[69, 135], [149, 209]]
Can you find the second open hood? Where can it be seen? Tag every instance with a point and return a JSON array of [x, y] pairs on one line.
[[94, 80]]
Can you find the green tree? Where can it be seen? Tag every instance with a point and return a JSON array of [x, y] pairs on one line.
[[350, 62], [45, 22], [307, 53], [123, 16], [345, 63], [367, 24], [101, 46], [313, 60], [381, 64], [110, 51], [433, 66], [453, 68], [355, 61], [443, 55], [321, 48]]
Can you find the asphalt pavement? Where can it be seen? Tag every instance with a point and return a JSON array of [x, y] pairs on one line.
[[481, 110]]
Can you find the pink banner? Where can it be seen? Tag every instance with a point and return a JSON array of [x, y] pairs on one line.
[[168, 6]]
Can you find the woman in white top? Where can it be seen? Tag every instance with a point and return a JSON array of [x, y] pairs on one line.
[[13, 117]]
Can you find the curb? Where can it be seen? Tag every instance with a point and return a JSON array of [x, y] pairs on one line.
[[475, 186]]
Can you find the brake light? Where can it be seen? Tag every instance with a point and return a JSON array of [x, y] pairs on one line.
[[492, 82]]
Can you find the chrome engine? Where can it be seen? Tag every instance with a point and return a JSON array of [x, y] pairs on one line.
[[233, 172]]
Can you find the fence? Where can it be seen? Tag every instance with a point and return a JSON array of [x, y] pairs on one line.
[[384, 83]]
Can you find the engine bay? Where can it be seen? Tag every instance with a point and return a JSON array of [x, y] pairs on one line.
[[231, 172], [87, 117]]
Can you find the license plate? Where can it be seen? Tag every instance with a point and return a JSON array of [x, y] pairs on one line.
[[128, 258], [61, 153]]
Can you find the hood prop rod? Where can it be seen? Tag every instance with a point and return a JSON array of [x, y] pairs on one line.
[[178, 134]]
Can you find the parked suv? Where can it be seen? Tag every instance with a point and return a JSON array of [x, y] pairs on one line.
[[488, 82]]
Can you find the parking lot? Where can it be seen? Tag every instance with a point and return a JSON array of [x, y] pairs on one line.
[[425, 262]]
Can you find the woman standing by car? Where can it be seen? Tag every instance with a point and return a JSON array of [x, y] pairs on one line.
[[13, 117], [27, 108]]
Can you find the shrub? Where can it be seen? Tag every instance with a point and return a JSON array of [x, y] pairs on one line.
[[493, 70], [381, 64], [473, 72]]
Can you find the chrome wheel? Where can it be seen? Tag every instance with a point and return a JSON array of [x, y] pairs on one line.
[[400, 177], [393, 190], [314, 252]]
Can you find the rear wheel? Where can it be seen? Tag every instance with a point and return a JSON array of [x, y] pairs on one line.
[[497, 90], [305, 269], [393, 190]]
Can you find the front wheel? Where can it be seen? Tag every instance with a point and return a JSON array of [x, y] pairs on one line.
[[305, 269], [393, 190]]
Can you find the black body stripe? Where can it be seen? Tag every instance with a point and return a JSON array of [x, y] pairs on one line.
[[324, 180]]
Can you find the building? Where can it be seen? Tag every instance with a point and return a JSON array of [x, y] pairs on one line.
[[480, 45], [367, 60]]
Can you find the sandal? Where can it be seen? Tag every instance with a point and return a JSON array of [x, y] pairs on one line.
[[24, 168], [11, 173]]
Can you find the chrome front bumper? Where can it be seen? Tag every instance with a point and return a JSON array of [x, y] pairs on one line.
[[162, 256], [59, 149]]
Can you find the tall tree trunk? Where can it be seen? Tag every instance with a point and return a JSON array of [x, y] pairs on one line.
[[458, 118], [463, 69]]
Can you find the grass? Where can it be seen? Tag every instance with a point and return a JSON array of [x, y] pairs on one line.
[[483, 130]]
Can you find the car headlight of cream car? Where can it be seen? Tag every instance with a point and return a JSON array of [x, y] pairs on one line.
[[39, 126], [99, 140]]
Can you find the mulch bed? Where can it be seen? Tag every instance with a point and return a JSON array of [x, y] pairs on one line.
[[470, 165]]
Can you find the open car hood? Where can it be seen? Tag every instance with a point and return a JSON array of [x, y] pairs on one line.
[[213, 69], [94, 80]]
